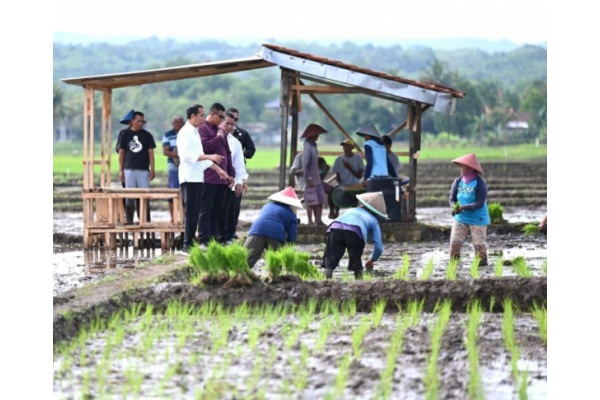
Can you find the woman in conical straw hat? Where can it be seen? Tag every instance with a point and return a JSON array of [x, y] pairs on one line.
[[314, 193], [276, 225], [351, 230], [468, 199]]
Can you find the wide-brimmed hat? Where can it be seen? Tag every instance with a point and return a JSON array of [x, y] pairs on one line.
[[349, 142], [374, 201], [127, 118], [370, 130], [470, 160], [312, 130], [286, 196]]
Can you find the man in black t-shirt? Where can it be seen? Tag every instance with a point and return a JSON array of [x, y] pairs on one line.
[[136, 159]]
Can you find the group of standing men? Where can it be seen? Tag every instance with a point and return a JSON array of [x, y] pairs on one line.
[[206, 159]]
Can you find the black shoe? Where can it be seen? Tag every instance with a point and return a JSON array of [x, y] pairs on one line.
[[328, 273], [358, 275]]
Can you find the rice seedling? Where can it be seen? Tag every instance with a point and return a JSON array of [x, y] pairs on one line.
[[452, 269], [475, 385], [520, 266], [324, 330], [432, 380], [496, 212], [300, 372], [402, 272], [541, 316], [498, 267], [508, 325], [427, 270], [358, 335], [492, 303], [349, 308], [384, 389], [475, 267], [530, 229], [523, 385], [241, 312], [545, 267], [414, 309], [341, 379], [377, 310]]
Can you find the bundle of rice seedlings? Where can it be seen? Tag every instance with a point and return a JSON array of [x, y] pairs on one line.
[[530, 229], [215, 256], [287, 255], [496, 213], [238, 268], [304, 269], [455, 208], [273, 263]]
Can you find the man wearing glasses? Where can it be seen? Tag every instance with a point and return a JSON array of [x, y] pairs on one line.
[[248, 148], [214, 188]]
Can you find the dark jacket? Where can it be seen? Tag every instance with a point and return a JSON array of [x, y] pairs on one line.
[[247, 144]]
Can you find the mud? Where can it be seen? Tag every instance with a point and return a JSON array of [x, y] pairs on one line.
[[107, 284]]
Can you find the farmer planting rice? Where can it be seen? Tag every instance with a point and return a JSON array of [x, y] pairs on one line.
[[468, 199], [350, 232], [277, 224]]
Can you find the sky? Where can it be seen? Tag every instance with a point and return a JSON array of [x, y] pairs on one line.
[[517, 21]]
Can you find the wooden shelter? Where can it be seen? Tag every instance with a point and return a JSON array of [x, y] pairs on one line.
[[301, 74]]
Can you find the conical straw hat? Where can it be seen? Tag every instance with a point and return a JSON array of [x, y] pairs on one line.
[[286, 196], [374, 201], [470, 160], [312, 130], [370, 130]]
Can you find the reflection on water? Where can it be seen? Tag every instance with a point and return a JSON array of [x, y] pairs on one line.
[[77, 268]]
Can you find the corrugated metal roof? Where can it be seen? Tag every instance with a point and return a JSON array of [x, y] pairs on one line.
[[136, 78], [323, 60]]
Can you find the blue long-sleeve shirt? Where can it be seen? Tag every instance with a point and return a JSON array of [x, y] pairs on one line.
[[369, 226], [276, 221]]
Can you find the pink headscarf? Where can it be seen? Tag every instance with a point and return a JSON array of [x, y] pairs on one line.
[[469, 175]]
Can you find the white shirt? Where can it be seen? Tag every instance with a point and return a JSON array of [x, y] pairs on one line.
[[237, 159], [189, 148]]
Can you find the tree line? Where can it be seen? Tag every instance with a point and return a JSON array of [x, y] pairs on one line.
[[500, 87]]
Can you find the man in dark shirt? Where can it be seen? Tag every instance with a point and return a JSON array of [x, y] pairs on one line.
[[214, 141], [136, 159], [248, 146]]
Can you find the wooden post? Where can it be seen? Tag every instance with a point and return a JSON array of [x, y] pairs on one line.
[[294, 138], [285, 113]]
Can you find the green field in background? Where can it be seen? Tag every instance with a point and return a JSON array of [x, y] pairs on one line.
[[68, 156]]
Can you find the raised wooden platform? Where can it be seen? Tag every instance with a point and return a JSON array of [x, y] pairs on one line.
[[104, 218]]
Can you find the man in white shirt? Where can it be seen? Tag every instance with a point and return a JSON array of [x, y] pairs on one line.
[[228, 223], [193, 162]]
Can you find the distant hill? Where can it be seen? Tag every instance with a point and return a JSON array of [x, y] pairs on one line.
[[443, 44]]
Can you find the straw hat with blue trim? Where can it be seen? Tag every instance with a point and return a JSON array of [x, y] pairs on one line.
[[374, 201]]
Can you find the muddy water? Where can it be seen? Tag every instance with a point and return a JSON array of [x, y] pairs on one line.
[[230, 356], [72, 269]]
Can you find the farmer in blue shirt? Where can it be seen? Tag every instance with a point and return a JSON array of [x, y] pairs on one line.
[[276, 225], [468, 199], [351, 230]]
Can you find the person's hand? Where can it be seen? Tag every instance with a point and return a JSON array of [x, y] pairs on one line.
[[369, 265], [216, 158], [238, 189], [231, 182], [152, 174], [310, 183], [347, 165], [222, 174], [122, 176], [244, 187]]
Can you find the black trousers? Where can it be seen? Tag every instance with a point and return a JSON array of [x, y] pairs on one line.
[[212, 207], [228, 222], [192, 192], [336, 244]]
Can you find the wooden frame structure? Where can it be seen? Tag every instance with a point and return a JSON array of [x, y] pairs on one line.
[[102, 213]]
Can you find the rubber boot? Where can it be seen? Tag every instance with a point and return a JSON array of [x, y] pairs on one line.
[[328, 272], [129, 211]]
